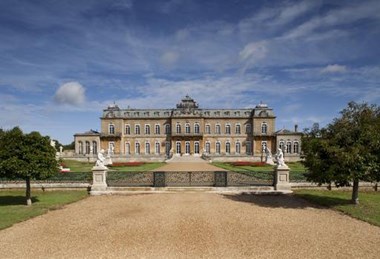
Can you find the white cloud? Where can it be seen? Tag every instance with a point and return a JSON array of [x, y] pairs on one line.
[[72, 93], [333, 69], [169, 58], [253, 52]]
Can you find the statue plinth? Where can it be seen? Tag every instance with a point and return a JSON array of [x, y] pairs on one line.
[[281, 179], [99, 176]]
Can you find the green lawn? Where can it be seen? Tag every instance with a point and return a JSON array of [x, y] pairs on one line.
[[368, 210], [13, 208], [76, 166]]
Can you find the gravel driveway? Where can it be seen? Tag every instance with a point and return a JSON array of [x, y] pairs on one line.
[[191, 225]]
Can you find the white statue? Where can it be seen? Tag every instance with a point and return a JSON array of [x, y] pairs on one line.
[[269, 159], [52, 143], [101, 159], [60, 149], [280, 158], [108, 160]]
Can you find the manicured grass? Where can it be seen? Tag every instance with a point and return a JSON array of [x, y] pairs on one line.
[[13, 208], [76, 166], [368, 210], [294, 166]]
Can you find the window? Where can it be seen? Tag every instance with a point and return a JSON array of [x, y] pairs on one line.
[[228, 148], [111, 147], [167, 148], [94, 147], [187, 147], [208, 129], [248, 129], [207, 147], [228, 129], [80, 147], [157, 129], [196, 147], [127, 130], [187, 128], [296, 147], [167, 128], [217, 129], [157, 148], [288, 147], [147, 148], [248, 148], [137, 148], [196, 128], [264, 128], [127, 148], [281, 145], [137, 129], [217, 148], [178, 128], [237, 147], [237, 129], [178, 147], [147, 129], [87, 147], [111, 129]]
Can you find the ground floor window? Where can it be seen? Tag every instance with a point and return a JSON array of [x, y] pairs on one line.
[[127, 148], [237, 148], [196, 147], [178, 147], [147, 148], [187, 147], [167, 147], [207, 147], [94, 147], [217, 148], [296, 147], [248, 148], [137, 148], [288, 147], [157, 148], [228, 148]]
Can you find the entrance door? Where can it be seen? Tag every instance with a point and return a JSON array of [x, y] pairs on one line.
[[187, 147]]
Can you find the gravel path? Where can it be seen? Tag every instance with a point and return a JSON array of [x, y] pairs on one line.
[[191, 225]]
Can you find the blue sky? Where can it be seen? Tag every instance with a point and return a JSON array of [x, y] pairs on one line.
[[63, 62]]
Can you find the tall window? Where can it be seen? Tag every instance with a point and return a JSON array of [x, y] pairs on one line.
[[196, 147], [237, 129], [127, 148], [208, 147], [147, 148], [217, 129], [288, 147], [87, 147], [296, 147], [137, 129], [248, 147], [178, 128], [208, 129], [196, 128], [187, 147], [248, 129], [217, 147], [228, 148], [178, 147], [147, 129], [111, 129], [187, 128], [237, 147], [127, 130], [157, 148], [167, 128], [157, 129], [80, 148], [94, 147], [264, 128], [137, 148], [167, 148], [281, 145], [228, 129]]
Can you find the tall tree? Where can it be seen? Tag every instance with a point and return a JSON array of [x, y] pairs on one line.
[[26, 156], [347, 151]]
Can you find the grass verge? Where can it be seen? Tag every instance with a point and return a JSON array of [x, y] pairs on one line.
[[368, 210], [13, 208]]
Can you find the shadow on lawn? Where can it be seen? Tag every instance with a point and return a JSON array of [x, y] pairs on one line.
[[289, 201], [15, 200]]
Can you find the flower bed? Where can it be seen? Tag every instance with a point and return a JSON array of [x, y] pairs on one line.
[[119, 164], [246, 163]]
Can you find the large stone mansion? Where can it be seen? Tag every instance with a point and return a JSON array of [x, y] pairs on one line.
[[187, 130]]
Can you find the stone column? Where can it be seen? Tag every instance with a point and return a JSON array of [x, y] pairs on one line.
[[281, 178], [99, 176]]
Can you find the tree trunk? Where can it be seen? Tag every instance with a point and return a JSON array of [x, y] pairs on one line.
[[28, 197], [355, 192]]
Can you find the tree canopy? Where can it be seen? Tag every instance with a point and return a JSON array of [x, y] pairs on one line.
[[26, 156], [347, 150]]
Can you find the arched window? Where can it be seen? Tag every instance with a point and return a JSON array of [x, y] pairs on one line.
[[167, 148], [237, 147], [94, 147], [178, 147], [281, 145], [80, 147], [217, 147], [111, 129], [87, 147], [127, 130], [196, 147], [137, 148], [248, 148], [157, 129], [127, 148], [178, 128], [167, 128], [288, 147], [196, 128], [248, 129], [187, 128], [228, 148], [147, 129], [217, 129], [208, 129], [228, 129], [296, 147], [207, 147], [137, 129], [157, 148], [237, 129], [147, 148], [187, 147], [264, 128]]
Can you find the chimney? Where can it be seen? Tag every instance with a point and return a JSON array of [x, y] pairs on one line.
[[296, 128]]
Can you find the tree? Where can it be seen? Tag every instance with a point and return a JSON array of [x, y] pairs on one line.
[[70, 146], [347, 150], [26, 156]]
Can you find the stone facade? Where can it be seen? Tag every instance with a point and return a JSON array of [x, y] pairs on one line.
[[156, 134]]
